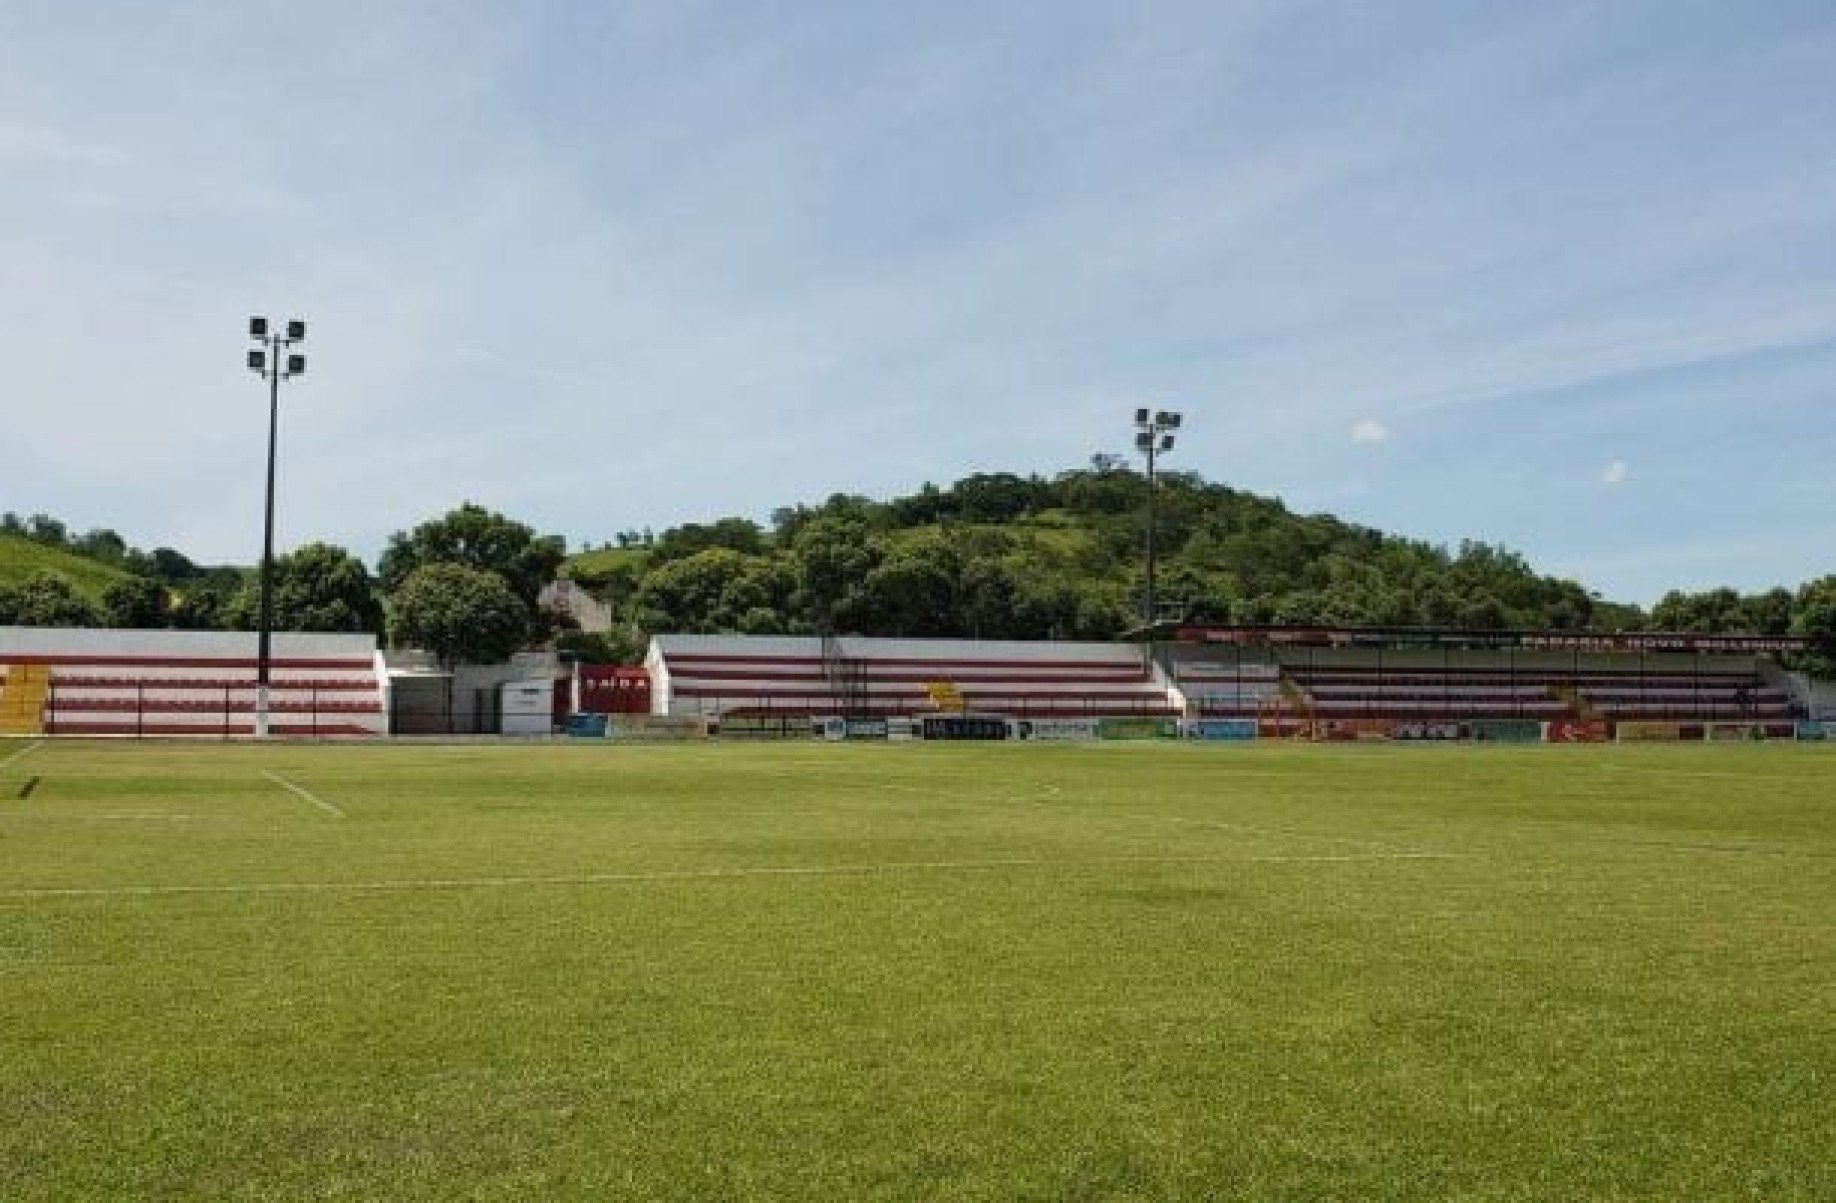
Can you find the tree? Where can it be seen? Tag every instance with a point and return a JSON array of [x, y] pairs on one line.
[[478, 538], [170, 565], [1815, 620], [832, 557], [200, 605], [735, 534], [134, 603], [318, 587], [103, 545], [47, 599], [459, 613], [913, 591], [47, 530]]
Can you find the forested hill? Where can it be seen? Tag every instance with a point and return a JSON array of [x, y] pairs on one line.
[[992, 556], [1006, 556]]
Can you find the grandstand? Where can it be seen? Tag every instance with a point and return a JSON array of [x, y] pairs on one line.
[[1367, 677], [721, 676], [1227, 682], [107, 682]]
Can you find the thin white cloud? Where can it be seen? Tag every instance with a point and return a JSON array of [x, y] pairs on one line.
[[1370, 430], [1615, 473]]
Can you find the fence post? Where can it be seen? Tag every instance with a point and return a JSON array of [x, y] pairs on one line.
[[140, 709]]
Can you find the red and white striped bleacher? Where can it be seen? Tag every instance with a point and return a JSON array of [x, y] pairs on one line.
[[1216, 688], [1347, 693], [1722, 696], [108, 682], [734, 675], [1540, 692]]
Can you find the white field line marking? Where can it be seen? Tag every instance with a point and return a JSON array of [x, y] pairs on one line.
[[678, 875], [22, 753], [301, 792]]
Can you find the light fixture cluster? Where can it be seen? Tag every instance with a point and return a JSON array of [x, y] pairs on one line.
[[268, 357], [1154, 432]]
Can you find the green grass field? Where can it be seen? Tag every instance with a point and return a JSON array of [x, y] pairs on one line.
[[917, 972]]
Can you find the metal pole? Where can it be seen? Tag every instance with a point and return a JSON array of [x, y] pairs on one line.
[[265, 638], [1151, 523]]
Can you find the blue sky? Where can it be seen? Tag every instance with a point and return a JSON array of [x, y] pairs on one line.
[[1561, 276]]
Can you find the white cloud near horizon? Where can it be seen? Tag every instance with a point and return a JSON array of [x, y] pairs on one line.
[[1369, 430], [1614, 473]]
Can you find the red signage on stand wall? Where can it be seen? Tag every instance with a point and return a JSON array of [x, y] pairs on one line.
[[611, 689]]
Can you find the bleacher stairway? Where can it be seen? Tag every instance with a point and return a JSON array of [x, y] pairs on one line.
[[22, 699]]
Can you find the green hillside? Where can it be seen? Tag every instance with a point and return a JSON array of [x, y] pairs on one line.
[[1028, 557], [21, 558]]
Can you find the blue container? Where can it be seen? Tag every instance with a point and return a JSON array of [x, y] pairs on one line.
[[586, 726]]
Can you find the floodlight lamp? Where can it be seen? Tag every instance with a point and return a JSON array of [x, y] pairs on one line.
[[1166, 442], [1174, 419], [1144, 441], [1163, 418], [258, 328], [296, 330], [296, 365], [1141, 417], [258, 362]]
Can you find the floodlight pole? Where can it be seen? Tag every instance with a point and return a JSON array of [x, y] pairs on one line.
[[270, 363], [1153, 436]]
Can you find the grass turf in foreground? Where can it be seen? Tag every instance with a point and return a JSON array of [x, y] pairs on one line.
[[928, 972]]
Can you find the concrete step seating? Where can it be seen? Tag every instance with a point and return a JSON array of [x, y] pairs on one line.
[[197, 683], [763, 676]]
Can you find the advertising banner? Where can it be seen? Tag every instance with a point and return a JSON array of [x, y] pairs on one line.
[[1506, 730], [1646, 733], [966, 726], [1060, 730], [1231, 730], [1138, 728], [1421, 732], [901, 729], [1720, 732], [1351, 729], [1570, 731], [759, 726], [1814, 732], [638, 728], [864, 728]]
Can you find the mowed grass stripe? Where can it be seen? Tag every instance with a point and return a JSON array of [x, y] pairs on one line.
[[679, 875]]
